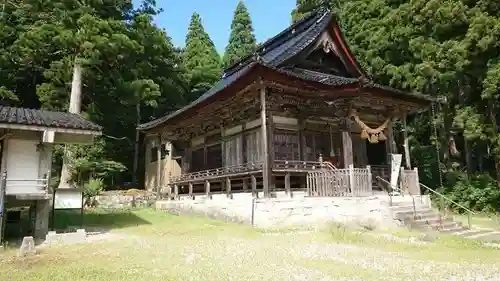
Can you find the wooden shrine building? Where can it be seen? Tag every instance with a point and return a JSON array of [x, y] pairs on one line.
[[299, 109]]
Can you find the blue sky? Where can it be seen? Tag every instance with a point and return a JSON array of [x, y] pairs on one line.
[[269, 18]]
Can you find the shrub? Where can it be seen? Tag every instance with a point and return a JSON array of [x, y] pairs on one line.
[[479, 193], [92, 188]]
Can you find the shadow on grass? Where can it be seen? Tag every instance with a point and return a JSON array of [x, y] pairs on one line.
[[96, 220]]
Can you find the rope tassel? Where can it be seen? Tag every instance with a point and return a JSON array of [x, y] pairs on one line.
[[364, 135]]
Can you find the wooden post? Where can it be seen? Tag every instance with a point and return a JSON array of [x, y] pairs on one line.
[[270, 146], [370, 179], [264, 141], [207, 189], [245, 184], [403, 186], [347, 144], [390, 144], [223, 146], [287, 185], [176, 192], [406, 144], [417, 182], [158, 167], [228, 188], [3, 213], [302, 143], [191, 190], [351, 180], [255, 194]]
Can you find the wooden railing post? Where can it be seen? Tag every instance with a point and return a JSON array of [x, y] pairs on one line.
[[403, 186], [417, 183], [370, 179], [351, 180]]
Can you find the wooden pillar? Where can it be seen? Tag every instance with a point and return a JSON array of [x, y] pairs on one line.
[[228, 188], [245, 184], [287, 185], [271, 149], [406, 144], [254, 187], [191, 190], [264, 141], [207, 190], [390, 143], [176, 192], [302, 143], [347, 144], [223, 146], [158, 167]]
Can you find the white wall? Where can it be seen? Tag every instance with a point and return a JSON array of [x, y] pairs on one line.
[[23, 162]]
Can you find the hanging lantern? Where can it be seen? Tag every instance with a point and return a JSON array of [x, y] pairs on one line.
[[364, 135]]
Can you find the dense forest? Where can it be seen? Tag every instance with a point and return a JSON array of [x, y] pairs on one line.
[[132, 73]]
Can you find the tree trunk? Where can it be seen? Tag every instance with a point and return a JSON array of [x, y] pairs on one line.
[[75, 104], [493, 120], [136, 144]]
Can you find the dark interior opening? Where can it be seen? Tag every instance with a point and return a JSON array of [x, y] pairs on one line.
[[376, 153]]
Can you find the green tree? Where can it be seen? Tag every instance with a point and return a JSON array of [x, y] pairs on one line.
[[201, 59], [242, 39], [119, 50]]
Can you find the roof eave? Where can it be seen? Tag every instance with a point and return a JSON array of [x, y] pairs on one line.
[[80, 131]]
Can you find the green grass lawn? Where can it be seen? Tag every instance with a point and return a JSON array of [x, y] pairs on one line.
[[159, 246], [482, 221]]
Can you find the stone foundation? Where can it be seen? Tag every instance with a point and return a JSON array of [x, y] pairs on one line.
[[368, 212], [125, 199], [66, 238]]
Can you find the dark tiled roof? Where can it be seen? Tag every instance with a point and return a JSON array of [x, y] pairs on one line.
[[218, 87], [327, 79], [289, 42], [272, 53], [42, 118]]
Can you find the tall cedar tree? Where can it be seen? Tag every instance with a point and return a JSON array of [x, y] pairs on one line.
[[129, 71], [201, 59], [242, 39], [304, 7]]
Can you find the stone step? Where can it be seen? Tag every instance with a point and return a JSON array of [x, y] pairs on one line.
[[431, 221], [427, 215], [410, 214], [407, 208], [451, 229], [487, 237], [473, 232]]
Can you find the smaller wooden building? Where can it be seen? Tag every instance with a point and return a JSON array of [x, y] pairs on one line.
[[300, 113]]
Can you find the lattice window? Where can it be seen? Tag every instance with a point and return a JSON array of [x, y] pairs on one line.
[[252, 147], [286, 145], [233, 149]]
